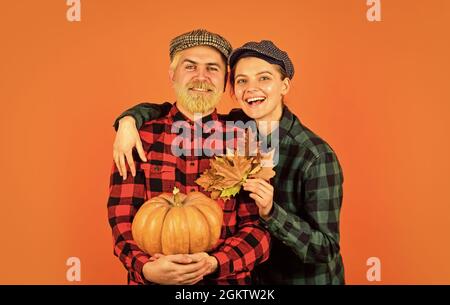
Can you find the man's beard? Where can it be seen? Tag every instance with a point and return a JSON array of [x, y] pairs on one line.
[[197, 102]]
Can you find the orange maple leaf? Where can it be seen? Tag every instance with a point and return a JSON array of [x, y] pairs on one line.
[[227, 173]]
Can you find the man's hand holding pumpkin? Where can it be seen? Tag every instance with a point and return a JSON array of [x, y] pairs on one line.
[[178, 269], [210, 260]]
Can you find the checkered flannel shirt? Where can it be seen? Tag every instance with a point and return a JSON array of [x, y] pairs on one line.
[[243, 243], [307, 203]]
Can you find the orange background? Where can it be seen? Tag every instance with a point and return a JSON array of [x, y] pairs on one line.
[[376, 91]]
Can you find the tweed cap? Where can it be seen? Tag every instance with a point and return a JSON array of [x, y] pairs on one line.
[[199, 37], [266, 50]]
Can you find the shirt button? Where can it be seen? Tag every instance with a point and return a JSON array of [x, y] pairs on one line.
[[192, 190], [192, 164]]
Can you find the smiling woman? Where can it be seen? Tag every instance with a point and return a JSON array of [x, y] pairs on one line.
[[301, 207], [259, 88], [260, 80]]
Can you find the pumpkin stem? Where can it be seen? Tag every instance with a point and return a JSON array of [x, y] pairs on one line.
[[176, 197]]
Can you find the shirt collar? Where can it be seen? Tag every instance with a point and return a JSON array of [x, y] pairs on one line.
[[284, 126], [286, 122], [176, 115]]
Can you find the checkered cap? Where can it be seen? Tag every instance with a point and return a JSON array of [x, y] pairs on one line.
[[199, 37], [266, 50]]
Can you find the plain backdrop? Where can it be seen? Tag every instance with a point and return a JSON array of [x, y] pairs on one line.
[[377, 92]]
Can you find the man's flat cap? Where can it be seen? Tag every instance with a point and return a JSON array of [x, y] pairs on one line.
[[200, 37]]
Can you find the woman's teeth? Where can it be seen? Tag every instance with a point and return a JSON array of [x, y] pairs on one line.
[[255, 100]]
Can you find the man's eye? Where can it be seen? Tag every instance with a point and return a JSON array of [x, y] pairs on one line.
[[213, 69], [265, 78], [190, 67]]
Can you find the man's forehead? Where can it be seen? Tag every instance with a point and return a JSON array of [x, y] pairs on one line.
[[202, 54]]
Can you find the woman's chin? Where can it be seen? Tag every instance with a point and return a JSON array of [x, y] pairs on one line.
[[253, 113]]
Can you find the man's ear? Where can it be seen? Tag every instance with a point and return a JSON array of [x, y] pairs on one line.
[[286, 86], [171, 75]]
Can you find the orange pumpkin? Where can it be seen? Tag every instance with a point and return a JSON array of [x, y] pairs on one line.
[[177, 224]]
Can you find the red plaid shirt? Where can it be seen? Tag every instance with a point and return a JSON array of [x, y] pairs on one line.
[[243, 243]]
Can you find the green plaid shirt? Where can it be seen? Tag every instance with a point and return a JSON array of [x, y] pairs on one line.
[[307, 203]]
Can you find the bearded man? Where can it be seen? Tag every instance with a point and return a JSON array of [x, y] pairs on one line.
[[198, 72]]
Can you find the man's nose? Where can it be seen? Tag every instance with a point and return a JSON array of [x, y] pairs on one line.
[[202, 74]]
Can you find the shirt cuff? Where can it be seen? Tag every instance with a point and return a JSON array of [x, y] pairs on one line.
[[275, 221], [138, 120], [139, 261], [224, 265]]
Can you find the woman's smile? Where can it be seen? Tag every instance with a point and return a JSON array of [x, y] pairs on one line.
[[259, 88], [255, 101]]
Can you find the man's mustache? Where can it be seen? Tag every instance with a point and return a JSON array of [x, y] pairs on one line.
[[201, 85]]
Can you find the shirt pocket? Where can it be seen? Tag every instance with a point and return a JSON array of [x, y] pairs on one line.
[[161, 170], [160, 178]]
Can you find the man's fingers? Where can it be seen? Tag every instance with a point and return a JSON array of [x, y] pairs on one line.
[[116, 161], [198, 256], [189, 268], [130, 161], [193, 280], [140, 150], [122, 165], [180, 258], [195, 276]]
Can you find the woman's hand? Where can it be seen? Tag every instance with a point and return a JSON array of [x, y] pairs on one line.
[[127, 138], [262, 192]]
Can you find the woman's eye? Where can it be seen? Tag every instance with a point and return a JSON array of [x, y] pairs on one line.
[[240, 81]]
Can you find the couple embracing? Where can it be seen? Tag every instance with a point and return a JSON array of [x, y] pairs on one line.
[[282, 231]]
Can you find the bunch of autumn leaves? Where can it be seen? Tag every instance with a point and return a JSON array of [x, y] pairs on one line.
[[228, 173]]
